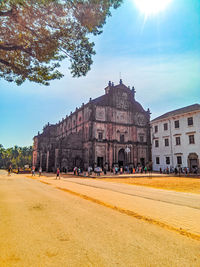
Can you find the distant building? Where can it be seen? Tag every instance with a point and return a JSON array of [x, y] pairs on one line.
[[176, 139], [110, 130]]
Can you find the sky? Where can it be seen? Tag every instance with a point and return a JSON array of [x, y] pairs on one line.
[[158, 54]]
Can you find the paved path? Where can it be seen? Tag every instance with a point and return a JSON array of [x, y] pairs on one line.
[[178, 198]]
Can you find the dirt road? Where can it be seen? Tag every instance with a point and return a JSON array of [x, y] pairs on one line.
[[41, 225]]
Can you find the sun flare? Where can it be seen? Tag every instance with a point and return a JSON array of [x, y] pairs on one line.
[[150, 7]]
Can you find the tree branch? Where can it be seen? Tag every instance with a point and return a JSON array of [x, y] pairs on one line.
[[16, 47], [4, 62]]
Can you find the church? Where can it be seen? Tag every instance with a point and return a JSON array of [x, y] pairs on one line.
[[110, 130]]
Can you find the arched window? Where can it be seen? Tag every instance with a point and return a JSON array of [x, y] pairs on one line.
[[121, 138]]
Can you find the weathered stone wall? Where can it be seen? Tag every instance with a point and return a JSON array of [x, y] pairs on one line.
[[97, 133]]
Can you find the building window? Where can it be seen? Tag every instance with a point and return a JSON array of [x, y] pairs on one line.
[[167, 160], [179, 160], [190, 121], [121, 138], [191, 139], [166, 142], [165, 126], [178, 140], [157, 160], [141, 138], [100, 136], [176, 124], [156, 143], [156, 128], [80, 119]]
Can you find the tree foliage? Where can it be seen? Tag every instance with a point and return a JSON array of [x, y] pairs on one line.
[[35, 35], [15, 156]]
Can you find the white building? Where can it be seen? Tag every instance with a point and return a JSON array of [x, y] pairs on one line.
[[176, 139]]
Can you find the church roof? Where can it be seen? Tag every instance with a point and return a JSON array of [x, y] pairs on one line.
[[104, 99], [179, 111], [101, 100]]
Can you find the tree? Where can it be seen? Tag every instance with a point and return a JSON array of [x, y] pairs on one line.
[[37, 34], [15, 156]]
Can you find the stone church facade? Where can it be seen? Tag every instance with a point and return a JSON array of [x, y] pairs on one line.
[[110, 130]]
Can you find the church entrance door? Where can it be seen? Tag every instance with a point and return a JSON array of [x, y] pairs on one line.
[[193, 162], [77, 162], [100, 162], [121, 157]]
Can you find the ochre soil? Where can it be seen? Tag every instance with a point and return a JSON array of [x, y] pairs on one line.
[[180, 184], [53, 224]]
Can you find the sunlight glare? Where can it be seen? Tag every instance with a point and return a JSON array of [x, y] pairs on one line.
[[151, 7]]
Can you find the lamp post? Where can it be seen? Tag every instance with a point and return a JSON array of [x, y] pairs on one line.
[[128, 150]]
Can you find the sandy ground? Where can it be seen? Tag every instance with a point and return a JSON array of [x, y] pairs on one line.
[[41, 225], [180, 184], [173, 210]]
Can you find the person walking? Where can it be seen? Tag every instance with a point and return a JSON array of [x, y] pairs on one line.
[[9, 170], [58, 173], [33, 171], [145, 169], [40, 171]]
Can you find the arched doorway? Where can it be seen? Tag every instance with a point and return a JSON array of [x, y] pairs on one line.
[[77, 162], [64, 164], [193, 161], [121, 157]]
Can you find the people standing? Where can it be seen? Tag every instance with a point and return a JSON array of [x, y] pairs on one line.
[[58, 173], [33, 171], [145, 169], [40, 171], [9, 170], [89, 170]]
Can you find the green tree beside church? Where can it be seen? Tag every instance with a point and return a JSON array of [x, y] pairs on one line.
[[15, 156]]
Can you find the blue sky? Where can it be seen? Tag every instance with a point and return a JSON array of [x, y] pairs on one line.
[[159, 56]]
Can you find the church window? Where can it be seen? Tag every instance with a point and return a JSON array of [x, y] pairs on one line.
[[121, 138], [165, 126], [141, 138], [176, 124], [156, 143], [179, 160], [166, 142], [190, 121], [167, 160], [191, 139], [100, 136], [178, 140], [157, 160]]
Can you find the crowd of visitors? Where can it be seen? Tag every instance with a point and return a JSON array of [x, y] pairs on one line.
[[180, 170], [115, 170]]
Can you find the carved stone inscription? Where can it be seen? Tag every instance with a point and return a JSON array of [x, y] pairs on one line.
[[100, 114], [140, 119], [122, 100], [121, 117]]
